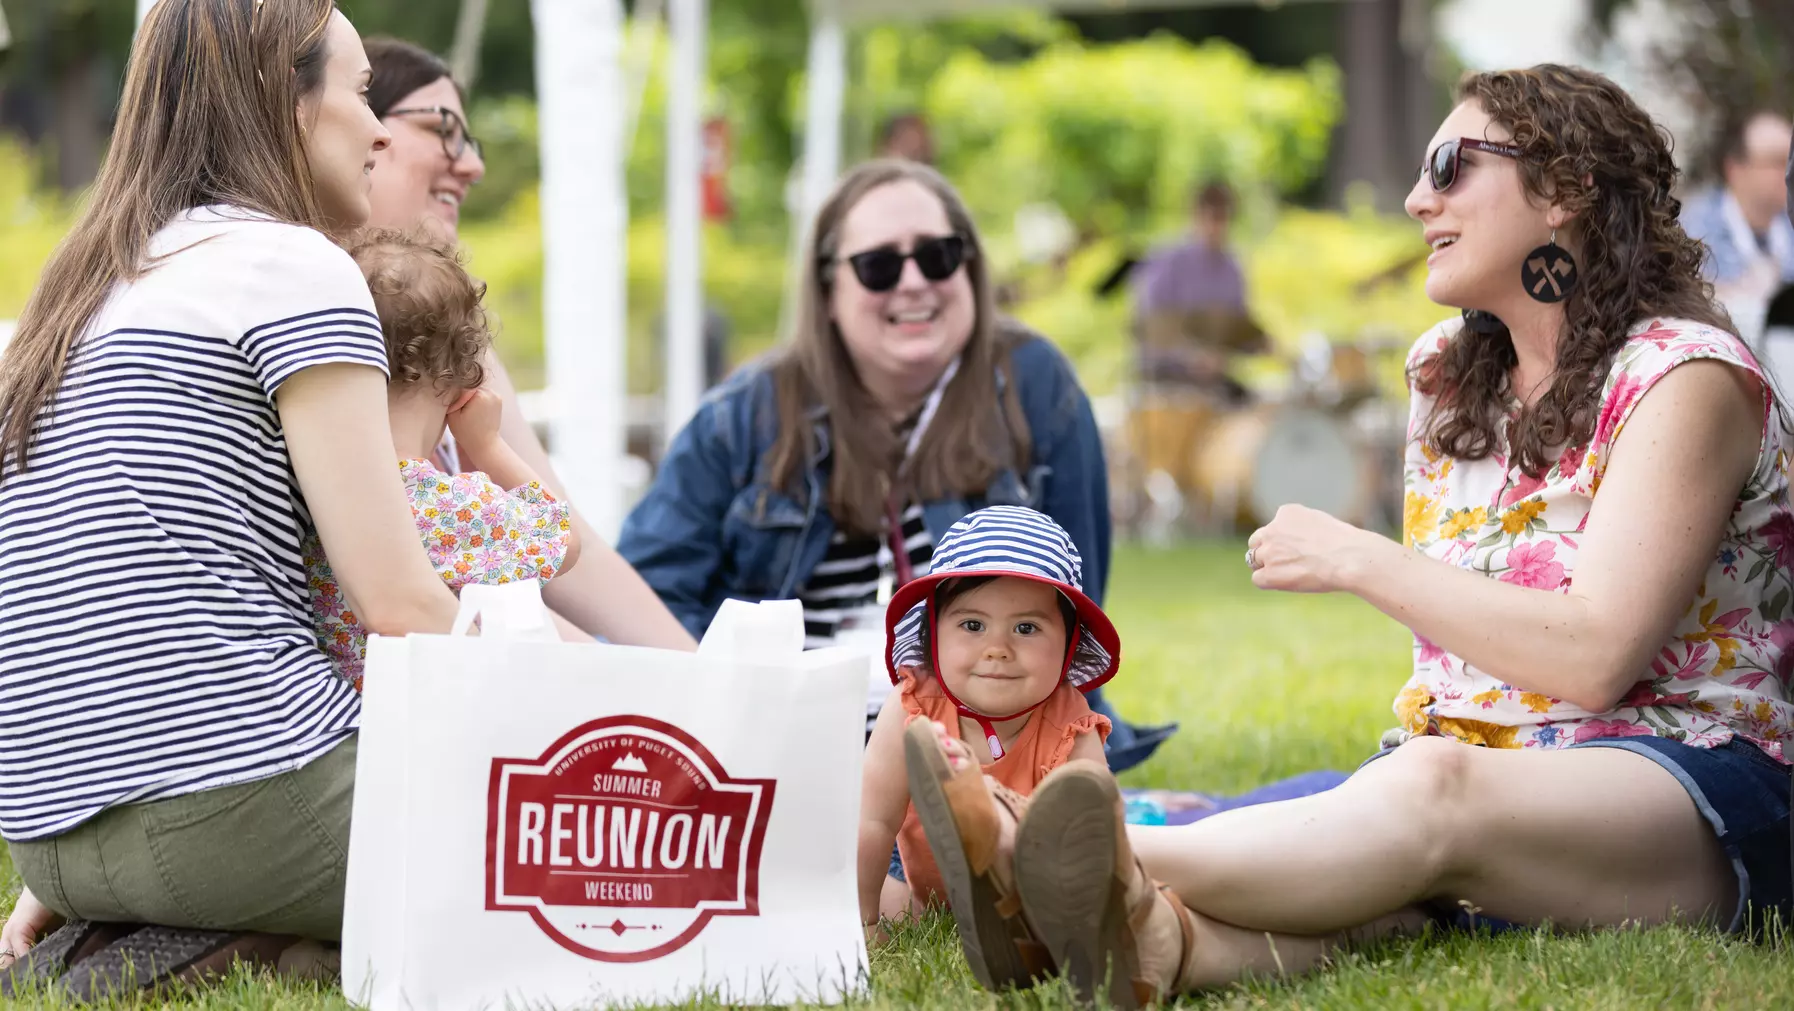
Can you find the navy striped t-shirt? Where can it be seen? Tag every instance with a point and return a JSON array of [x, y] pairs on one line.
[[155, 633]]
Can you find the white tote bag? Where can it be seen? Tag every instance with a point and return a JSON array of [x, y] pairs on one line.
[[539, 823]]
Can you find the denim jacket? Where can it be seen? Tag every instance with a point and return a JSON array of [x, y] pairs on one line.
[[712, 526]]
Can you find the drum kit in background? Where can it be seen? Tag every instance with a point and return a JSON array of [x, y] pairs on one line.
[[1200, 454]]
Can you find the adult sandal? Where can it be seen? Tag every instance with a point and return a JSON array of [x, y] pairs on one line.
[[1075, 871], [955, 808], [157, 958], [49, 959]]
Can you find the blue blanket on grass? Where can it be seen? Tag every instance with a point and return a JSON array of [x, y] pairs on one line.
[[1181, 807]]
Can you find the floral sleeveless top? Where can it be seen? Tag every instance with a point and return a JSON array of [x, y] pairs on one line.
[[1724, 670], [474, 532]]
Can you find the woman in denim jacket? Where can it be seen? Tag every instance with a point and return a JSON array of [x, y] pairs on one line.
[[904, 397]]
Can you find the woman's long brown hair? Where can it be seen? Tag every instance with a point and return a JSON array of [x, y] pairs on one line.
[[209, 116], [1587, 145], [975, 433]]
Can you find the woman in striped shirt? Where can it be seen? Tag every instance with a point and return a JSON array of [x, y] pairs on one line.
[[197, 382]]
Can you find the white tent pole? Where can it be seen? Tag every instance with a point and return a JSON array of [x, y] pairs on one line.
[[470, 31], [638, 53], [825, 90], [684, 221], [585, 216], [825, 86]]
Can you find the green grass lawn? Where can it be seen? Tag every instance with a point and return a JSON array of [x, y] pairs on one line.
[[1268, 685]]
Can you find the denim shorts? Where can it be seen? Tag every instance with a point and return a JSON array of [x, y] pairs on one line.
[[1744, 795]]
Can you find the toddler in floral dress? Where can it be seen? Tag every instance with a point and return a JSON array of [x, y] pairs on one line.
[[474, 530]]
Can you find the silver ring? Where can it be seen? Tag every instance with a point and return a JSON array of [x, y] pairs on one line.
[[8, 953], [1251, 558]]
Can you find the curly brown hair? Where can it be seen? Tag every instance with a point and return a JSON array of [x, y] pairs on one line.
[[429, 309], [1587, 145]]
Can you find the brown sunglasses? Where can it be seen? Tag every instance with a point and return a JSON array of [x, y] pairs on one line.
[[1441, 168]]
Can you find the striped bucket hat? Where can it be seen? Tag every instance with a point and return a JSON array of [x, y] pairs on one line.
[[1004, 541]]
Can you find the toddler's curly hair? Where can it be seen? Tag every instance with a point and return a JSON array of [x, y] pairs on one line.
[[430, 311]]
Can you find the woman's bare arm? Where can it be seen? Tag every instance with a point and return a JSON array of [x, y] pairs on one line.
[[340, 441], [1668, 491], [1089, 747], [603, 595]]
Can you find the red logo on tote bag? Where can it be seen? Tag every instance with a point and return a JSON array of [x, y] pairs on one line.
[[623, 839]]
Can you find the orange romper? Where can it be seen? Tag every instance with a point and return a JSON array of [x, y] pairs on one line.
[[1042, 746]]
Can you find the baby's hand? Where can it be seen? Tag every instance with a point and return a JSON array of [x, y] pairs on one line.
[[474, 419]]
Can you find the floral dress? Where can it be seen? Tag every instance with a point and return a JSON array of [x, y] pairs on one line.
[[1725, 669], [474, 532]]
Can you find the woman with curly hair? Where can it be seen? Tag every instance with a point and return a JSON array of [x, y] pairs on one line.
[[1597, 576]]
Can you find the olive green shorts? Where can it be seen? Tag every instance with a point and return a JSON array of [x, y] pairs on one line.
[[265, 856]]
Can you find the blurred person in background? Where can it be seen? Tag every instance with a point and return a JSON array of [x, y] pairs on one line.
[[1743, 221], [423, 178], [906, 136], [1189, 299], [1778, 324], [1190, 319]]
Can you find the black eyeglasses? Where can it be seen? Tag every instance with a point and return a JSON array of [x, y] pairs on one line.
[[880, 269], [1441, 168], [450, 127]]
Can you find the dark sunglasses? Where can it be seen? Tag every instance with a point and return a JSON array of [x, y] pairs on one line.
[[880, 269], [449, 126], [1441, 168]]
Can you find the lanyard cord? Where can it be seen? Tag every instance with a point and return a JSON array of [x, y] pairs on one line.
[[897, 569]]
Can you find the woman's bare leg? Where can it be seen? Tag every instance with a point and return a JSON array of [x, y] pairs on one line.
[[1225, 954], [1593, 836], [1107, 924]]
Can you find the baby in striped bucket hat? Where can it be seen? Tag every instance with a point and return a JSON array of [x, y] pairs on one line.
[[991, 653]]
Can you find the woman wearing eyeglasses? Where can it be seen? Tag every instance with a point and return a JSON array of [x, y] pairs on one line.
[[422, 178], [827, 471], [433, 161], [1597, 579]]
